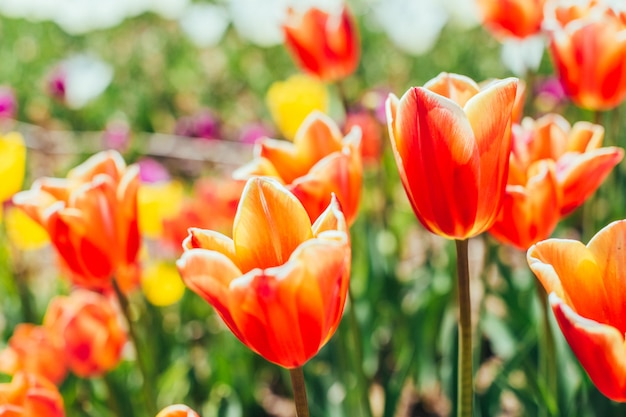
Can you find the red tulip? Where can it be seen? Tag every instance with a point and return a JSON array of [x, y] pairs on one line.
[[451, 140], [588, 48], [530, 211], [323, 44], [517, 18], [280, 284], [35, 350], [581, 163], [586, 286], [91, 217], [177, 410], [30, 395], [92, 334], [319, 162]]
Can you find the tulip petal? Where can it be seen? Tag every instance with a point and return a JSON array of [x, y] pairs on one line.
[[270, 223], [599, 348], [569, 269], [209, 274], [331, 219], [438, 159], [492, 131], [110, 163], [291, 301], [458, 88], [580, 175], [607, 247]]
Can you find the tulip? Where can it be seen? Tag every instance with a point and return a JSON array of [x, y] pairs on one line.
[[518, 18], [319, 162], [8, 103], [12, 164], [30, 395], [581, 163], [157, 202], [588, 48], [451, 141], [161, 283], [586, 287], [35, 350], [322, 43], [91, 217], [280, 283], [530, 212], [93, 336], [292, 100], [23, 232], [177, 410]]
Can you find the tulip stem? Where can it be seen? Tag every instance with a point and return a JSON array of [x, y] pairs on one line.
[[299, 392], [465, 389], [148, 391], [547, 353]]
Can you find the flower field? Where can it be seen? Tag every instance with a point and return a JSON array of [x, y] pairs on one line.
[[379, 208]]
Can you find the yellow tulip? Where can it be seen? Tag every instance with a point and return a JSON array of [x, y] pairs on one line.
[[12, 164], [162, 284], [24, 232], [292, 100], [156, 202]]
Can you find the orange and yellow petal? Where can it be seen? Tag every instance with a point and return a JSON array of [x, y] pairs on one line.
[[270, 223]]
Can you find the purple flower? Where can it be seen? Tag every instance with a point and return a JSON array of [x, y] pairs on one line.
[[151, 171], [8, 103]]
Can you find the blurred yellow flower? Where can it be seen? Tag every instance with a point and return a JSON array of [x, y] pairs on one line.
[[158, 201], [12, 164], [23, 231], [162, 284], [291, 101]]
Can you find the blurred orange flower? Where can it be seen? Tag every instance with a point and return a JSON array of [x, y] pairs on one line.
[[581, 163], [35, 350], [30, 395], [319, 162], [91, 217], [586, 287], [518, 18], [280, 284], [89, 326], [177, 410], [451, 141], [322, 43], [588, 48]]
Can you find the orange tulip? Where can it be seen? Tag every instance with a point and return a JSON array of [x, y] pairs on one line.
[[93, 336], [280, 284], [451, 140], [319, 162], [30, 395], [581, 163], [323, 44], [36, 350], [586, 286], [177, 410], [588, 48], [91, 217], [530, 211], [517, 18]]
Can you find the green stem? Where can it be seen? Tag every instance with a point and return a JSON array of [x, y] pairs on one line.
[[113, 402], [465, 389], [547, 356], [148, 390], [343, 96], [358, 356], [299, 392]]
